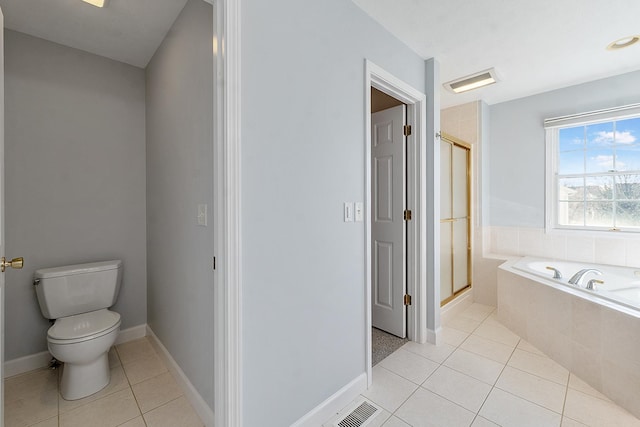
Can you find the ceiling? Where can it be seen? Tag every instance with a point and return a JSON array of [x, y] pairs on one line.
[[535, 46], [128, 31]]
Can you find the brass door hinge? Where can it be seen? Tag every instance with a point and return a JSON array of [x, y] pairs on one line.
[[407, 215], [407, 300], [407, 130]]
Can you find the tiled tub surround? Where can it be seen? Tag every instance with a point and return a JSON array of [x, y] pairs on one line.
[[142, 392], [598, 341], [612, 248]]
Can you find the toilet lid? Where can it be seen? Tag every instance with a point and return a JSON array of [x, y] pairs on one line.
[[84, 326]]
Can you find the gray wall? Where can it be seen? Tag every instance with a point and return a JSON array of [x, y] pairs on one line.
[[303, 156], [75, 180], [517, 146], [179, 177]]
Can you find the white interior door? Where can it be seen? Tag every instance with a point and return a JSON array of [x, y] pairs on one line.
[[388, 230]]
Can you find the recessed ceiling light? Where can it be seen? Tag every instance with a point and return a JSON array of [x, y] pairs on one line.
[[623, 42], [97, 3], [474, 81]]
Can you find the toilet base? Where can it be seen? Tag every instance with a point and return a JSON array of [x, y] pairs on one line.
[[82, 380]]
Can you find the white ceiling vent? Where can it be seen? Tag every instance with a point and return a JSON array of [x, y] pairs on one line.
[[359, 414], [474, 81]]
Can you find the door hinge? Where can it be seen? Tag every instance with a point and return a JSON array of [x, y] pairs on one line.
[[407, 300], [214, 263], [407, 215], [407, 130]]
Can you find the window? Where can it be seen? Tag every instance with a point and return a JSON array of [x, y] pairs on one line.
[[593, 170]]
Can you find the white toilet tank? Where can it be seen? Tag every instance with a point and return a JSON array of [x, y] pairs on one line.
[[75, 289]]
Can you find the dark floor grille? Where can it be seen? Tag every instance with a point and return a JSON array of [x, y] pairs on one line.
[[359, 416]]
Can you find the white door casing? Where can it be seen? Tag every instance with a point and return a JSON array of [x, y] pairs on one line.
[[2, 248], [388, 229]]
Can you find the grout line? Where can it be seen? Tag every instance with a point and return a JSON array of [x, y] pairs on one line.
[[564, 402]]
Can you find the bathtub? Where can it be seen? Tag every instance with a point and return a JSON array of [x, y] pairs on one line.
[[621, 284], [594, 334]]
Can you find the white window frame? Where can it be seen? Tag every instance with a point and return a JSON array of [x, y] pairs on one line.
[[552, 129]]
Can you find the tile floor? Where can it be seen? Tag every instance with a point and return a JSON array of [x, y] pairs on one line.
[[141, 393], [484, 375]]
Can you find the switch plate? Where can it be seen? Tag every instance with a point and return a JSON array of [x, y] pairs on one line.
[[202, 215], [348, 212], [359, 211]]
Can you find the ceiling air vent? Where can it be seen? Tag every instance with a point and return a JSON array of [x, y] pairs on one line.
[[361, 416], [474, 81]]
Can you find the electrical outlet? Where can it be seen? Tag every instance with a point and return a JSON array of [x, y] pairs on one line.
[[202, 215], [359, 211]]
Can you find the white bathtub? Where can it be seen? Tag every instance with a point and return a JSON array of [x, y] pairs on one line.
[[621, 284], [594, 334]]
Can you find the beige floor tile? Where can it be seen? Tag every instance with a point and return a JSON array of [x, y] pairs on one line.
[[477, 311], [395, 422], [110, 411], [175, 413], [526, 346], [459, 388], [388, 389], [136, 422], [487, 348], [436, 353], [453, 337], [118, 382], [51, 422], [409, 365], [135, 349], [425, 408], [596, 412], [31, 398], [464, 324], [156, 391], [495, 331], [144, 368], [568, 422], [508, 410], [541, 366], [474, 365], [483, 422], [577, 384], [533, 388]]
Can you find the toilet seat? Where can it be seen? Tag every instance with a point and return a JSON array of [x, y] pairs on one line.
[[83, 327]]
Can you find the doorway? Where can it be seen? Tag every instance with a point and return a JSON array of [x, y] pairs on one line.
[[389, 133], [415, 106], [455, 217]]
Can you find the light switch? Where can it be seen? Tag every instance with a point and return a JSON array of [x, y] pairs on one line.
[[348, 212], [202, 215], [359, 211]]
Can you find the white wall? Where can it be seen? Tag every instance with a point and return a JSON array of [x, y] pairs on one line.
[[75, 180], [179, 177], [302, 157]]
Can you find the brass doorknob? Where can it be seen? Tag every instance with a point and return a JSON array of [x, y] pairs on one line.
[[14, 263]]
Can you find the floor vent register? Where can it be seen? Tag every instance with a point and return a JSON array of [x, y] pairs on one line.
[[360, 416]]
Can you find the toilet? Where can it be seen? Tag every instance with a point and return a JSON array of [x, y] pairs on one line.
[[78, 298]]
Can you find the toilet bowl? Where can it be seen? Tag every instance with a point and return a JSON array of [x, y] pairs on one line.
[[82, 342], [78, 298]]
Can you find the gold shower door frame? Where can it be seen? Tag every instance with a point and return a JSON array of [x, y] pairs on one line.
[[455, 142]]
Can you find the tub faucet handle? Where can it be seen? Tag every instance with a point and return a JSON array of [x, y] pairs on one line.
[[591, 284], [556, 272]]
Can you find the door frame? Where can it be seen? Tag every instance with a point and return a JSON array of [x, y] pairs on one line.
[[416, 253], [227, 284]]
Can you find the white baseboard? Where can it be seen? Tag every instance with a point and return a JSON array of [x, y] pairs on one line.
[[27, 363], [334, 404], [204, 411], [41, 360], [131, 334], [433, 336]]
